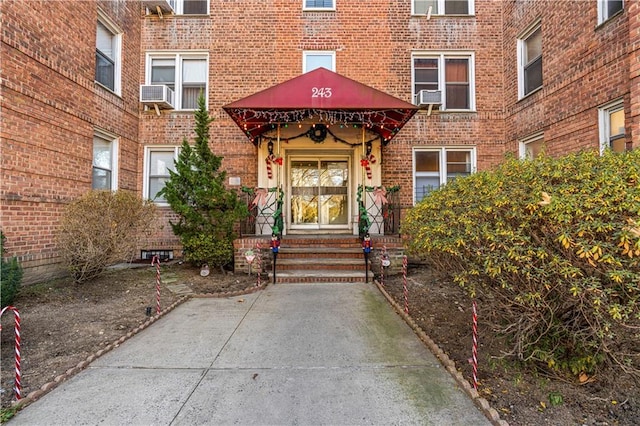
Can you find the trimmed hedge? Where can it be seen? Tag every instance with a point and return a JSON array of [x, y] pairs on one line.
[[553, 248]]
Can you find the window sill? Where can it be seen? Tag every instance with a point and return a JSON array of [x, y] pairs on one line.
[[528, 95], [320, 9], [609, 19], [102, 86], [452, 15], [447, 111]]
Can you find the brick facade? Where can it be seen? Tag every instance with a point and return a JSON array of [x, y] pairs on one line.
[[51, 105]]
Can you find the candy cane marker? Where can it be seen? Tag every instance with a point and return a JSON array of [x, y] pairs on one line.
[[404, 284], [156, 261], [474, 349], [259, 256], [16, 315]]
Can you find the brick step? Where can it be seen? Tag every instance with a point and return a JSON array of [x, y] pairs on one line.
[[345, 242], [319, 276], [333, 264], [320, 252]]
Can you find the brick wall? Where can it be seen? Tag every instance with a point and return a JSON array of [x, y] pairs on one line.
[[50, 108]]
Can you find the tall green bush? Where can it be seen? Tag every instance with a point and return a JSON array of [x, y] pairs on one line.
[[10, 275], [207, 211], [553, 248], [100, 229]]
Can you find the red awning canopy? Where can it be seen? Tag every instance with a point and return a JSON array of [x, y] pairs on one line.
[[323, 94]]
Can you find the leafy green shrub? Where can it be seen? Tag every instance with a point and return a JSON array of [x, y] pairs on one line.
[[553, 248], [207, 211], [10, 276], [101, 229]]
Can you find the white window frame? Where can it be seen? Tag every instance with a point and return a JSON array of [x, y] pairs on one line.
[[442, 173], [442, 84], [330, 8], [112, 140], [521, 53], [178, 57], [441, 7], [535, 137], [604, 122], [603, 13], [147, 167], [178, 7], [308, 53], [117, 52]]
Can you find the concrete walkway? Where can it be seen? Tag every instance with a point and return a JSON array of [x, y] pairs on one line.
[[309, 354]]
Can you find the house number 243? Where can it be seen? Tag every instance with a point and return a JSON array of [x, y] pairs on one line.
[[321, 92]]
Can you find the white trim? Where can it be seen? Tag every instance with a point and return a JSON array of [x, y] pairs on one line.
[[318, 9], [522, 143], [442, 172], [441, 56], [147, 164], [441, 4], [178, 57], [521, 46], [604, 121], [117, 51], [308, 53]]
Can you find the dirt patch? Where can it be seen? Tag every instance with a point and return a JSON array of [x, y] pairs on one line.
[[522, 396], [63, 323]]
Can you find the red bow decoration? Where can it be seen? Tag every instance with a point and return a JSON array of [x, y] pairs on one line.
[[380, 195], [261, 197]]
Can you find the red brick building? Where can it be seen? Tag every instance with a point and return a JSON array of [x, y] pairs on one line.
[[100, 94]]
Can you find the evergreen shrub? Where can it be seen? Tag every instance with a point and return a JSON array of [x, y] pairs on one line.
[[10, 276], [552, 249]]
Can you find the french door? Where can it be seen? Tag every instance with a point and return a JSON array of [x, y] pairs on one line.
[[319, 188]]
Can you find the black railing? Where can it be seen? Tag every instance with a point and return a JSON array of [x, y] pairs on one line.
[[265, 211], [378, 210]]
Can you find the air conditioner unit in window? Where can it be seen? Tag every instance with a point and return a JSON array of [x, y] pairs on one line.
[[157, 95], [429, 97], [160, 6]]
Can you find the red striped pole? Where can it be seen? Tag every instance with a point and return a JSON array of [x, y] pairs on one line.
[[384, 250], [156, 261], [16, 315], [259, 256], [474, 350], [404, 284]]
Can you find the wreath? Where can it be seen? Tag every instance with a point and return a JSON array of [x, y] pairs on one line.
[[317, 133]]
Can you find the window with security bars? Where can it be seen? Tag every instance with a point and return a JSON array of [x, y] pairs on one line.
[[319, 4]]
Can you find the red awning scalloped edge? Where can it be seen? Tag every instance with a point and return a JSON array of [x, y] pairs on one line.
[[323, 95]]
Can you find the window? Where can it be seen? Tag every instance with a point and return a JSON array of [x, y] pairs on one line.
[[434, 167], [612, 136], [185, 73], [316, 59], [108, 57], [319, 5], [442, 7], [451, 74], [191, 7], [105, 160], [530, 61], [158, 162], [531, 146], [608, 8]]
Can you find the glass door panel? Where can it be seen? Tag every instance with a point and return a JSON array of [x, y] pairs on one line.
[[319, 193]]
